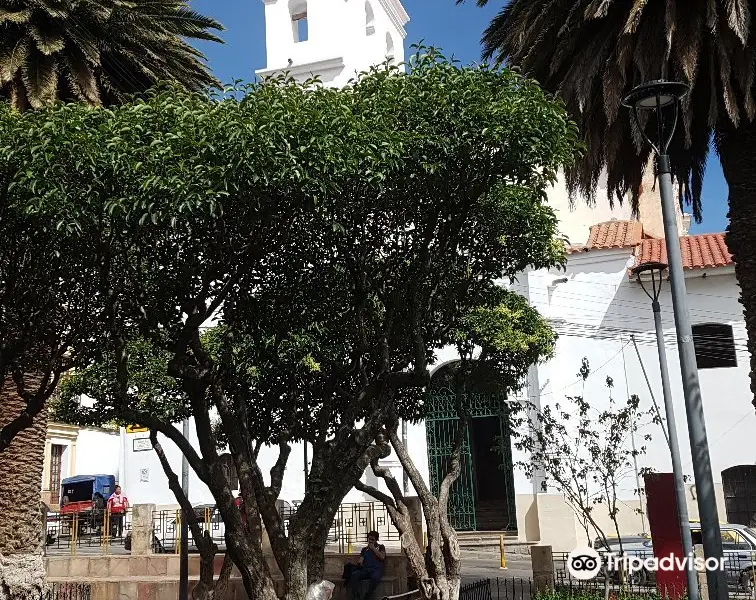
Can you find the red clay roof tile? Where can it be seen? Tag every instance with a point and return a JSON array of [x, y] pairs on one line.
[[705, 251], [614, 234]]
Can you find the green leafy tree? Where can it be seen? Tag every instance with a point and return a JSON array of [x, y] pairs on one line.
[[98, 52], [593, 52], [361, 231], [496, 342], [137, 171], [585, 452]]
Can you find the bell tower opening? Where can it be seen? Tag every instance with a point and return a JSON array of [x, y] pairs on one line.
[[369, 19], [390, 51], [298, 12]]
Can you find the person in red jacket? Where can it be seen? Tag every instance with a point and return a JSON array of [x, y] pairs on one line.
[[240, 505], [118, 504]]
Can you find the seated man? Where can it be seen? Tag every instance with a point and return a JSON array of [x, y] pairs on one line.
[[365, 579]]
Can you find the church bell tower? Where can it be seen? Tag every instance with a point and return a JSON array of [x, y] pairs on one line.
[[333, 39]]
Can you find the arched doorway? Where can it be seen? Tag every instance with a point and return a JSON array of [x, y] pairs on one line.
[[482, 498]]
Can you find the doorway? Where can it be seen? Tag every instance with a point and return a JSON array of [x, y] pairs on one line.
[[491, 475], [482, 498]]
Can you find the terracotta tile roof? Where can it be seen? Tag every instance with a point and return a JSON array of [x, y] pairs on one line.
[[615, 234], [705, 251], [611, 234]]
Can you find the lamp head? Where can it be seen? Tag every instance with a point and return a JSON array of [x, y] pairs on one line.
[[647, 267], [653, 94], [655, 270]]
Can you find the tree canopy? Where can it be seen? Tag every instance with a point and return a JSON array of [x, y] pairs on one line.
[[332, 240]]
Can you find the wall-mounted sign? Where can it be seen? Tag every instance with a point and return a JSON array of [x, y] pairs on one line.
[[136, 429], [144, 475], [141, 444]]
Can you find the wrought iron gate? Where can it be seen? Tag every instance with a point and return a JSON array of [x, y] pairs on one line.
[[441, 423]]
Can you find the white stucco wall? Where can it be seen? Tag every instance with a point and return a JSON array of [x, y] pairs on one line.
[[596, 310], [575, 219], [97, 452]]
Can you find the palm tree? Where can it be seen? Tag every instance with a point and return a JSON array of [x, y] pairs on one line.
[[592, 52], [100, 52]]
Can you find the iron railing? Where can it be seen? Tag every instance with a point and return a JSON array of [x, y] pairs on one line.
[[353, 521], [500, 588], [166, 528], [67, 591], [93, 530], [67, 533], [348, 532], [478, 590]]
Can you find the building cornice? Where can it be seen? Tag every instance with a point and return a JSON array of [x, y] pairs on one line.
[[300, 69], [62, 431], [397, 14]]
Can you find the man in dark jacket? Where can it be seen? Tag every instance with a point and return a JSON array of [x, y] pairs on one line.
[[365, 579]]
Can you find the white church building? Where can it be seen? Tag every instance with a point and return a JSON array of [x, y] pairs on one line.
[[595, 306]]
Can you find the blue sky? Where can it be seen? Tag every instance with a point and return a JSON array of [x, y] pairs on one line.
[[455, 29]]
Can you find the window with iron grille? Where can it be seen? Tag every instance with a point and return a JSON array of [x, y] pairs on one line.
[[56, 467], [715, 346]]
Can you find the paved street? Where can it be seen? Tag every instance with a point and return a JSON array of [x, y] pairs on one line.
[[474, 569]]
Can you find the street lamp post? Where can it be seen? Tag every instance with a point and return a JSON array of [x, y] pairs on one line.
[[656, 270], [184, 549], [657, 96]]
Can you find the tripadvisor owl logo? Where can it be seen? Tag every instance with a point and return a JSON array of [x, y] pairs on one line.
[[583, 563]]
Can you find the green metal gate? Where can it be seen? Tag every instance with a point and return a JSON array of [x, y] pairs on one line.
[[441, 425]]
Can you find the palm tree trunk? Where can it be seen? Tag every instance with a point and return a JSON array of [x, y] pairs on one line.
[[737, 150], [22, 572]]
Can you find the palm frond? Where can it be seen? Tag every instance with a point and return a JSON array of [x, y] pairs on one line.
[[48, 41], [101, 50], [592, 52], [40, 77], [14, 16]]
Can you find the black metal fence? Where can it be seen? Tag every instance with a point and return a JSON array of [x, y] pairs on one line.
[[67, 591], [352, 523], [87, 531], [500, 588], [166, 528], [348, 532]]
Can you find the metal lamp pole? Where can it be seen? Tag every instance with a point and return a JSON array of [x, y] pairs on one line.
[[656, 96], [655, 270], [184, 550]]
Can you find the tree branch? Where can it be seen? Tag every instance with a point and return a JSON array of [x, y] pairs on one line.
[[34, 405], [391, 483], [375, 493], [178, 492], [423, 492], [278, 469], [177, 438]]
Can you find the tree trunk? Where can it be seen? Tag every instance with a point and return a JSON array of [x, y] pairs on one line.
[[737, 150], [296, 577], [22, 573], [209, 588], [448, 589]]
